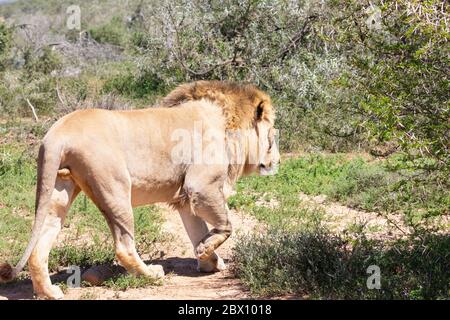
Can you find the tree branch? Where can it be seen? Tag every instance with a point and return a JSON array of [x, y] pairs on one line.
[[32, 109], [298, 37]]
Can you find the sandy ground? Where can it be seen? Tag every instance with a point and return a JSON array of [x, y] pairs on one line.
[[182, 280]]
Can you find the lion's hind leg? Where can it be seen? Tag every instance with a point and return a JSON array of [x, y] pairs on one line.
[[63, 195], [115, 204]]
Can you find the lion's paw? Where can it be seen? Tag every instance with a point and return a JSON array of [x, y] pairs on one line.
[[215, 264], [52, 293], [155, 271], [204, 252]]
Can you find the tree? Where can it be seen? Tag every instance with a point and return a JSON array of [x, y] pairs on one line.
[[399, 51]]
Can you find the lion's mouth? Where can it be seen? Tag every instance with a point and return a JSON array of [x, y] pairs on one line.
[[267, 170]]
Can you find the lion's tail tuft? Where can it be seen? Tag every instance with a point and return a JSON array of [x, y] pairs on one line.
[[6, 272]]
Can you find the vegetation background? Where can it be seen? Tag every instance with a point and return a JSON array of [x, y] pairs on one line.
[[362, 96]]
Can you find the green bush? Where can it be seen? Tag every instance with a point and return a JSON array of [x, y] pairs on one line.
[[35, 82], [114, 32], [76, 88], [140, 86], [124, 282], [320, 265], [43, 63], [237, 40], [400, 75], [84, 256]]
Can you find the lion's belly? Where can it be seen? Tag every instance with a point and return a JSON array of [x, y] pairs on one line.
[[144, 195], [151, 186]]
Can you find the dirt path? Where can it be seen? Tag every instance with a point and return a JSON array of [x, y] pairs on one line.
[[182, 281]]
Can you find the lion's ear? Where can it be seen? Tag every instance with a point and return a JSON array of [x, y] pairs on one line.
[[259, 111]]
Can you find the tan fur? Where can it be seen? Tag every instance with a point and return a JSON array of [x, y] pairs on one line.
[[123, 159]]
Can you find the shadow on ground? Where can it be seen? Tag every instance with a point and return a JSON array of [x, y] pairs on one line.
[[22, 288]]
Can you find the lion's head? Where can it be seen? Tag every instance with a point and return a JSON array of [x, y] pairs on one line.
[[246, 109]]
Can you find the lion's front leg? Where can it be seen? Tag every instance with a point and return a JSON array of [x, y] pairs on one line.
[[204, 187], [212, 240], [212, 208], [196, 229]]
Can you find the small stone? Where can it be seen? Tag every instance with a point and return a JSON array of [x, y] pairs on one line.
[[96, 275]]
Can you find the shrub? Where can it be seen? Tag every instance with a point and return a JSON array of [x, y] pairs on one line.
[[141, 86], [82, 256], [43, 63], [320, 265], [400, 75], [114, 32], [240, 41]]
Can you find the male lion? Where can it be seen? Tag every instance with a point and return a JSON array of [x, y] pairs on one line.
[[123, 159]]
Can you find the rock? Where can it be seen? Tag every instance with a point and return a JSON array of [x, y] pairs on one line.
[[96, 275]]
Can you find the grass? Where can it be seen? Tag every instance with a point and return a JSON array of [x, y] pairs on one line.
[[16, 198], [127, 281], [355, 182]]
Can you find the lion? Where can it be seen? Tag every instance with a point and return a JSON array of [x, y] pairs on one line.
[[123, 159]]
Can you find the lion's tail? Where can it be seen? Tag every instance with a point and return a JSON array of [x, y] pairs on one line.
[[48, 164]]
